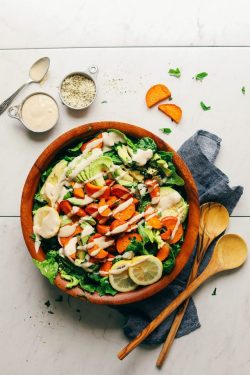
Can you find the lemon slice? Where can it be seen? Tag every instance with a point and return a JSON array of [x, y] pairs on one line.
[[119, 277], [46, 222], [145, 269]]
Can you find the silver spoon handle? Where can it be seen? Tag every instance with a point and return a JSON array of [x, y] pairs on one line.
[[8, 101]]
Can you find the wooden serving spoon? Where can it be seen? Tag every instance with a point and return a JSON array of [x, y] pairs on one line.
[[230, 252], [213, 222]]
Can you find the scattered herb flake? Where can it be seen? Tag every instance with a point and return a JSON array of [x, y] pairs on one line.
[[166, 130], [201, 76], [47, 303], [243, 90], [204, 106], [175, 72], [104, 102], [50, 312], [214, 292], [59, 299]]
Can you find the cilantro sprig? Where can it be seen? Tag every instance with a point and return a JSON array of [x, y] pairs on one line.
[[166, 130], [175, 72], [204, 106], [201, 76]]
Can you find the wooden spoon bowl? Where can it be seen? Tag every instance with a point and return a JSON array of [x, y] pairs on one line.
[[83, 133]]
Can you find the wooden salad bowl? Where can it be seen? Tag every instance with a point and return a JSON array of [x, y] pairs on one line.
[[76, 135]]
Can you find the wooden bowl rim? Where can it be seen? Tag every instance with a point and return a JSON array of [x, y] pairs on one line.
[[85, 131]]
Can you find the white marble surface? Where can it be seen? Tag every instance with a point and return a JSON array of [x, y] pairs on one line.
[[81, 338], [35, 341], [81, 23]]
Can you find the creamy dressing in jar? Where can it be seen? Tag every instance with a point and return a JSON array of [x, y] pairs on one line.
[[39, 112]]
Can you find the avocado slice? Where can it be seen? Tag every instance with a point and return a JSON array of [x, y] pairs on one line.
[[125, 153], [102, 164], [51, 187], [123, 177], [179, 208]]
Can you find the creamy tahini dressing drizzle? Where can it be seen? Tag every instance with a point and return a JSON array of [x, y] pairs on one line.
[[87, 231], [103, 208], [169, 201], [122, 206], [142, 156], [70, 248], [110, 139], [99, 193], [67, 230]]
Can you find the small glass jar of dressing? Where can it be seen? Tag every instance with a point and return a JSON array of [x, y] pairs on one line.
[[38, 112]]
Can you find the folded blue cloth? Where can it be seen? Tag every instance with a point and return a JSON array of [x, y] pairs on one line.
[[199, 153]]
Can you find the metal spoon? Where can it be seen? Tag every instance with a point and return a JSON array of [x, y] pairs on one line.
[[230, 252], [37, 72], [213, 222]]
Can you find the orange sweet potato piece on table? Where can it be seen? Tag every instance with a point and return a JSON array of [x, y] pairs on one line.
[[126, 214], [156, 94], [123, 242], [163, 252], [172, 111]]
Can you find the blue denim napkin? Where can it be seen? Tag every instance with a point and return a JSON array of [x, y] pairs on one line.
[[199, 153]]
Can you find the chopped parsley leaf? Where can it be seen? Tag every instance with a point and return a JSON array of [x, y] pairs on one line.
[[166, 130], [201, 76], [204, 106], [175, 72], [243, 90]]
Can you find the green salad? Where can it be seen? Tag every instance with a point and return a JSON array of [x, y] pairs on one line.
[[110, 214]]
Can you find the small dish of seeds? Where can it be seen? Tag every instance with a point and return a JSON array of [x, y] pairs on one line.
[[78, 90]]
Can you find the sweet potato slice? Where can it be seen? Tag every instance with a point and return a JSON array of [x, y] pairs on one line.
[[156, 94], [172, 111], [126, 214], [119, 190], [102, 229], [163, 252], [169, 223], [78, 192], [123, 242], [105, 267]]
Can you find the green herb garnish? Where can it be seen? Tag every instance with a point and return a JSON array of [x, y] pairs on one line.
[[214, 292], [243, 90], [204, 106], [166, 130], [175, 72], [201, 76]]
